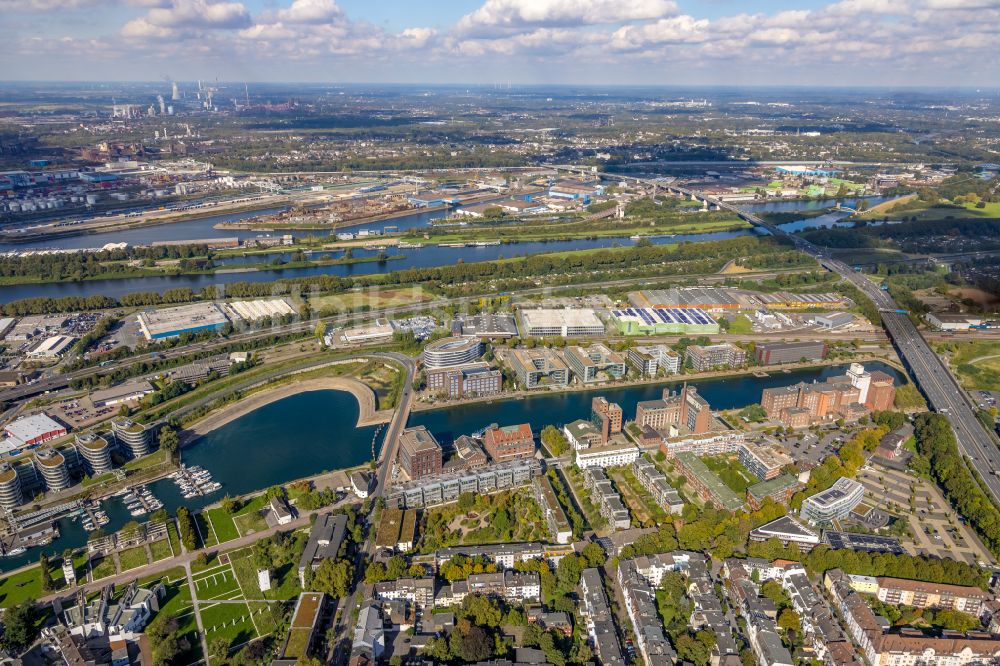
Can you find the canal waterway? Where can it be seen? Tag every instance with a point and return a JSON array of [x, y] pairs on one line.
[[296, 437]]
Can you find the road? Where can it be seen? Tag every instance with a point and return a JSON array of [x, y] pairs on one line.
[[943, 392], [390, 444]]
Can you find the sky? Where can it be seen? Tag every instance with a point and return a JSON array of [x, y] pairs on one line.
[[885, 43]]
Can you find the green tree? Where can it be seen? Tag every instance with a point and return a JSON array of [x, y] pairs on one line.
[[333, 577], [46, 573], [19, 626], [169, 441]]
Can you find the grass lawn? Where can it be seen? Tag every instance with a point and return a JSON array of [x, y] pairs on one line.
[[133, 558], [222, 525], [161, 550], [284, 581], [175, 540], [250, 522], [741, 325], [634, 493], [20, 586], [977, 364], [232, 622], [216, 583], [205, 531], [103, 567]]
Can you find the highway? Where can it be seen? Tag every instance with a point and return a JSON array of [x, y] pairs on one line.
[[943, 392]]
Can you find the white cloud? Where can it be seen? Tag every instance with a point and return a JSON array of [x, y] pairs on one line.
[[311, 11], [562, 13]]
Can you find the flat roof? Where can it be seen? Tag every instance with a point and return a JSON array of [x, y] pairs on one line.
[[196, 315], [30, 427], [723, 493], [557, 318]]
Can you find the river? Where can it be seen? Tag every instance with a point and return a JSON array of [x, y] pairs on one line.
[[296, 437], [426, 257]]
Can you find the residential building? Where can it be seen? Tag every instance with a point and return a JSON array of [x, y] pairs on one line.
[[611, 455], [607, 499], [709, 357], [509, 442], [647, 626], [108, 615], [134, 438], [446, 487], [923, 594], [780, 489], [325, 538], [555, 516], [655, 482], [706, 483], [420, 454], [596, 612], [764, 462]]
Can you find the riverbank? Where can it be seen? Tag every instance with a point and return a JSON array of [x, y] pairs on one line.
[[889, 360], [365, 396]]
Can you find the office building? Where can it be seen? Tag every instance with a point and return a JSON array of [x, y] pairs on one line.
[[453, 351], [686, 411], [787, 530], [567, 323], [803, 404], [135, 438], [420, 454], [702, 358], [509, 442], [607, 417], [536, 368], [588, 363], [171, 322], [834, 503], [650, 359], [474, 380], [776, 353]]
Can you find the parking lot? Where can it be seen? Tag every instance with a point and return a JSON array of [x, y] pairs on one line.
[[936, 528]]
